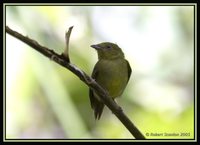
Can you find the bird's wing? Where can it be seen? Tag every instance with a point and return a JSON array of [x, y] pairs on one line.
[[96, 104], [129, 70], [91, 93]]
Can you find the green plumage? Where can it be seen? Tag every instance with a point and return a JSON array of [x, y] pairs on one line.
[[112, 72]]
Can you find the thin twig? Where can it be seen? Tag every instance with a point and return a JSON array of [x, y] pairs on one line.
[[66, 51], [115, 108]]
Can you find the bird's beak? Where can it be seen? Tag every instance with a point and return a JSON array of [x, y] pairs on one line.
[[96, 47]]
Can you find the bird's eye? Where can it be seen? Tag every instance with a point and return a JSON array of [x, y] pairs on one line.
[[108, 46]]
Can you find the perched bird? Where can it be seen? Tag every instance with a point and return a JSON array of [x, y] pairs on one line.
[[111, 72]]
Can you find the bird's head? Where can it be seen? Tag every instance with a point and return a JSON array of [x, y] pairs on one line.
[[108, 50]]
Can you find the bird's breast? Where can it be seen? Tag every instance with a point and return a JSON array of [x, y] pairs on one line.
[[113, 76]]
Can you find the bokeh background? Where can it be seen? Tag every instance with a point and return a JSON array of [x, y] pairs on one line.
[[46, 101]]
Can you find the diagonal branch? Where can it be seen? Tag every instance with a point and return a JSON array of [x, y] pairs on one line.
[[82, 76]]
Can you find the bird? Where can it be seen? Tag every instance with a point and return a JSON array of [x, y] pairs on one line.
[[112, 72]]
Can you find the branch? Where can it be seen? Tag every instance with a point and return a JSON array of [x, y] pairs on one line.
[[66, 51], [63, 60]]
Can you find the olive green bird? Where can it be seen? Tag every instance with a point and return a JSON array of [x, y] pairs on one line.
[[111, 72]]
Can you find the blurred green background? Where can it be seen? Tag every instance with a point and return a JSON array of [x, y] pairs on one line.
[[46, 101]]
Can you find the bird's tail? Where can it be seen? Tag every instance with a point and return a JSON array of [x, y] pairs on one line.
[[96, 104]]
